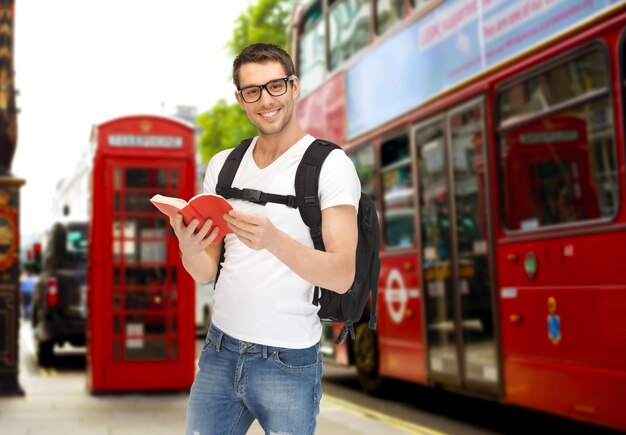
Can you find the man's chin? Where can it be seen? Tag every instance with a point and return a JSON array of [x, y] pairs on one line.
[[272, 131]]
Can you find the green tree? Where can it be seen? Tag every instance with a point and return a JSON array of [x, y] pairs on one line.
[[225, 125], [263, 21]]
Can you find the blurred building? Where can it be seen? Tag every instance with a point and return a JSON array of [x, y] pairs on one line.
[[189, 114]]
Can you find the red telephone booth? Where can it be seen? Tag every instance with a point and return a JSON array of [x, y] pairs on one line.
[[140, 333]]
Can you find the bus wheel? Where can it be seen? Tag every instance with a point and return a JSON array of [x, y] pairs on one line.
[[366, 358]]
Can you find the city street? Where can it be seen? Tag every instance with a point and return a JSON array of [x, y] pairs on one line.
[[57, 402]]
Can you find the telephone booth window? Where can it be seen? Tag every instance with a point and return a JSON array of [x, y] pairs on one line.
[[144, 298]]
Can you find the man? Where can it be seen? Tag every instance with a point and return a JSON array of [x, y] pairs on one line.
[[261, 359], [27, 284]]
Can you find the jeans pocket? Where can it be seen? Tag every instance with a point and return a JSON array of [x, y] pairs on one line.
[[208, 343], [297, 360]]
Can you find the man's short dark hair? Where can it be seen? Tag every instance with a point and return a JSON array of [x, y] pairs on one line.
[[261, 53]]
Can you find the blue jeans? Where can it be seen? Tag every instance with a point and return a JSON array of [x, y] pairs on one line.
[[239, 382]]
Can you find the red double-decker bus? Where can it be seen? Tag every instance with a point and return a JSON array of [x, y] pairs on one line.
[[491, 135]]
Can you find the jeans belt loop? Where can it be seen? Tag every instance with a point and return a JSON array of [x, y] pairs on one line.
[[218, 342], [264, 352]]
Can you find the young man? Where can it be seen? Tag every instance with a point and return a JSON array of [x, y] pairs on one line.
[[261, 359]]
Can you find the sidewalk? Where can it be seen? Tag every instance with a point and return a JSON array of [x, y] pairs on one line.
[[57, 403]]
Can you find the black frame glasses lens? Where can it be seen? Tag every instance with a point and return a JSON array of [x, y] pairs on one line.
[[254, 99]]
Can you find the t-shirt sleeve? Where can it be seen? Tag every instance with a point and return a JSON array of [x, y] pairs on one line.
[[213, 170], [339, 183]]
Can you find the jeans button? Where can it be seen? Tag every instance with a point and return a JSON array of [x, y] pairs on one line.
[[243, 345]]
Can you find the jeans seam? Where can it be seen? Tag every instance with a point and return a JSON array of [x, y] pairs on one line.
[[236, 421], [246, 370]]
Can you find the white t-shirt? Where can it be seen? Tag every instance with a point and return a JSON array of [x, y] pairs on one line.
[[257, 298]]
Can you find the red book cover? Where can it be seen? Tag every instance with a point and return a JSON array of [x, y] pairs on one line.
[[202, 207]]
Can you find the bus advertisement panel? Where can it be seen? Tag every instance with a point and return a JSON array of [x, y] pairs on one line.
[[457, 41]]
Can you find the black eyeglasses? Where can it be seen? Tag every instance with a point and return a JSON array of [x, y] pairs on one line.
[[275, 88]]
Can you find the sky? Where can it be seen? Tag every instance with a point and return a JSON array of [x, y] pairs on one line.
[[81, 62]]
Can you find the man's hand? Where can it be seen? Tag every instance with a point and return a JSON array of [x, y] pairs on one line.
[[254, 231], [190, 242]]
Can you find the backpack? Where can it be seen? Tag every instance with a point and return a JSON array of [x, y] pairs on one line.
[[334, 307]]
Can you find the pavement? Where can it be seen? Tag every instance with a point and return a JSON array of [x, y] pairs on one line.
[[57, 403]]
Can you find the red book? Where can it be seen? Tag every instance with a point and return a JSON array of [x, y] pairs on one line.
[[202, 207]]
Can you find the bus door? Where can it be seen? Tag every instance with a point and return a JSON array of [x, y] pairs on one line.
[[399, 326], [149, 337], [454, 252]]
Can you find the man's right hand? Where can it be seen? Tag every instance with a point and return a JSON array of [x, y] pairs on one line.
[[191, 242]]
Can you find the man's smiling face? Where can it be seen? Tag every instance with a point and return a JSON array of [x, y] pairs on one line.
[[271, 115]]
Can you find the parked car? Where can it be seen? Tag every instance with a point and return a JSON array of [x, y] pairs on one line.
[[204, 307], [59, 297]]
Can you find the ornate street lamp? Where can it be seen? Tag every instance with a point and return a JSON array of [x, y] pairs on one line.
[[9, 212]]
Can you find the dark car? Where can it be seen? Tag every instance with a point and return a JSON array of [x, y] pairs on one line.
[[59, 298]]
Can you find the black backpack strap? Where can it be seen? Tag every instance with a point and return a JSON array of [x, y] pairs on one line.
[[228, 171], [374, 282], [224, 182], [343, 333], [259, 197], [307, 187]]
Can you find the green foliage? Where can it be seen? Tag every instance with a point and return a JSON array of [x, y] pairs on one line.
[[225, 125], [263, 21]]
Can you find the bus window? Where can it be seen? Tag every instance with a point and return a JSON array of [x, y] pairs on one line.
[[399, 217], [363, 160], [433, 194], [558, 165], [466, 136], [312, 53], [565, 82], [388, 13], [349, 24]]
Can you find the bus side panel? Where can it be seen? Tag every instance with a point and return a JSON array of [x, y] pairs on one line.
[[562, 331], [579, 288], [322, 114], [592, 395]]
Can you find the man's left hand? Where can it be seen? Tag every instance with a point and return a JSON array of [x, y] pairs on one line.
[[254, 231]]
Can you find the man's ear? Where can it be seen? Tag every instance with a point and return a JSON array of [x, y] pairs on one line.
[[239, 100], [295, 89]]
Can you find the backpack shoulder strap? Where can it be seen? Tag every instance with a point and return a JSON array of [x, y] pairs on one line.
[[307, 186], [224, 183], [228, 171]]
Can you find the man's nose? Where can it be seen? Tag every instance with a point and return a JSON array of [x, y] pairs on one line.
[[266, 98]]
